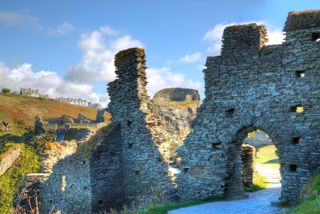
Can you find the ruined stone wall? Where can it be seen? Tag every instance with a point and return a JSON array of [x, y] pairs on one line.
[[106, 172], [145, 173], [248, 164], [67, 188], [8, 158], [253, 86]]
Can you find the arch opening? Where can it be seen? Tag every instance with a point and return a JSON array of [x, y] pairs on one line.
[[252, 164]]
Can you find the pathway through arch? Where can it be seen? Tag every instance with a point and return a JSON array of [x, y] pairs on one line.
[[258, 202]]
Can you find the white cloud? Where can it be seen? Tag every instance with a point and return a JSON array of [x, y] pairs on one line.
[[62, 29], [97, 64], [48, 82], [159, 78], [191, 58], [99, 48], [214, 36], [19, 19]]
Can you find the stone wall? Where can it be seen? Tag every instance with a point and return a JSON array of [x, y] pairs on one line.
[[8, 158], [142, 132], [248, 167], [67, 188], [253, 86], [106, 173]]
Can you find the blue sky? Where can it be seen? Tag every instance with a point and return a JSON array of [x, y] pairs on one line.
[[66, 48]]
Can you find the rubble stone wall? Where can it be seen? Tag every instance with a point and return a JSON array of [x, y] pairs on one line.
[[248, 167], [142, 132], [9, 158], [254, 86]]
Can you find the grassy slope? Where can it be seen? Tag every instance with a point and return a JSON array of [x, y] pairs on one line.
[[20, 111], [312, 204], [266, 156], [10, 182]]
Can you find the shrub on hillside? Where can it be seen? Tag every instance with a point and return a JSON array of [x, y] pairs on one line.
[[5, 91]]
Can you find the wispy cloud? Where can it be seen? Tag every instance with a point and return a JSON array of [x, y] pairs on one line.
[[98, 48], [17, 18], [214, 35], [61, 29], [191, 58]]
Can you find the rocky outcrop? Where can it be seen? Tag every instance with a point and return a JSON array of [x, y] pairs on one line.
[[177, 94], [260, 138], [4, 126]]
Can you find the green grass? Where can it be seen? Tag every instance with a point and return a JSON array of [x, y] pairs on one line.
[[266, 156], [312, 204], [260, 182], [164, 208], [10, 182]]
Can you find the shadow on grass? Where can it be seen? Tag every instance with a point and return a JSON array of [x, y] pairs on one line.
[[273, 161]]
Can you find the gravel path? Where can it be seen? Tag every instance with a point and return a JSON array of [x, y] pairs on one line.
[[258, 202]]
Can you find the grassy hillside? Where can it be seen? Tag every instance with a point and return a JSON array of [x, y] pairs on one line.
[[266, 155], [28, 162], [20, 111], [312, 204]]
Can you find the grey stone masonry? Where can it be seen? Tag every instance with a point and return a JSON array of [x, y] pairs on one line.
[[254, 86], [145, 176], [248, 167]]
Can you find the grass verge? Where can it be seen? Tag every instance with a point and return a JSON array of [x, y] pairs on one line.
[[10, 182], [260, 182], [312, 204], [164, 208]]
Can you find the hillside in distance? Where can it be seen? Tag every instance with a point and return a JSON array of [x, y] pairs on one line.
[[19, 111]]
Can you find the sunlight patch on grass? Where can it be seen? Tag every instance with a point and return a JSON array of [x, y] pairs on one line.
[[267, 157], [260, 182]]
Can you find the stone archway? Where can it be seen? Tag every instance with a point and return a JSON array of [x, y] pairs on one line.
[[233, 182]]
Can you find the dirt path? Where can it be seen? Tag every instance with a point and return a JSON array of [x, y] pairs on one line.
[[258, 202]]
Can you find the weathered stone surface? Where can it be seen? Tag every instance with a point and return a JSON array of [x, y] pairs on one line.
[[8, 158], [253, 86], [106, 174], [39, 125], [248, 167], [177, 94], [260, 139], [142, 132]]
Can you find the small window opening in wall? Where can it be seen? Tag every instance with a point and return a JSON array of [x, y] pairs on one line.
[[297, 108], [316, 36], [130, 145], [137, 172], [230, 112], [293, 167], [296, 140], [300, 74], [84, 162], [129, 123], [215, 145], [185, 170], [100, 202]]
